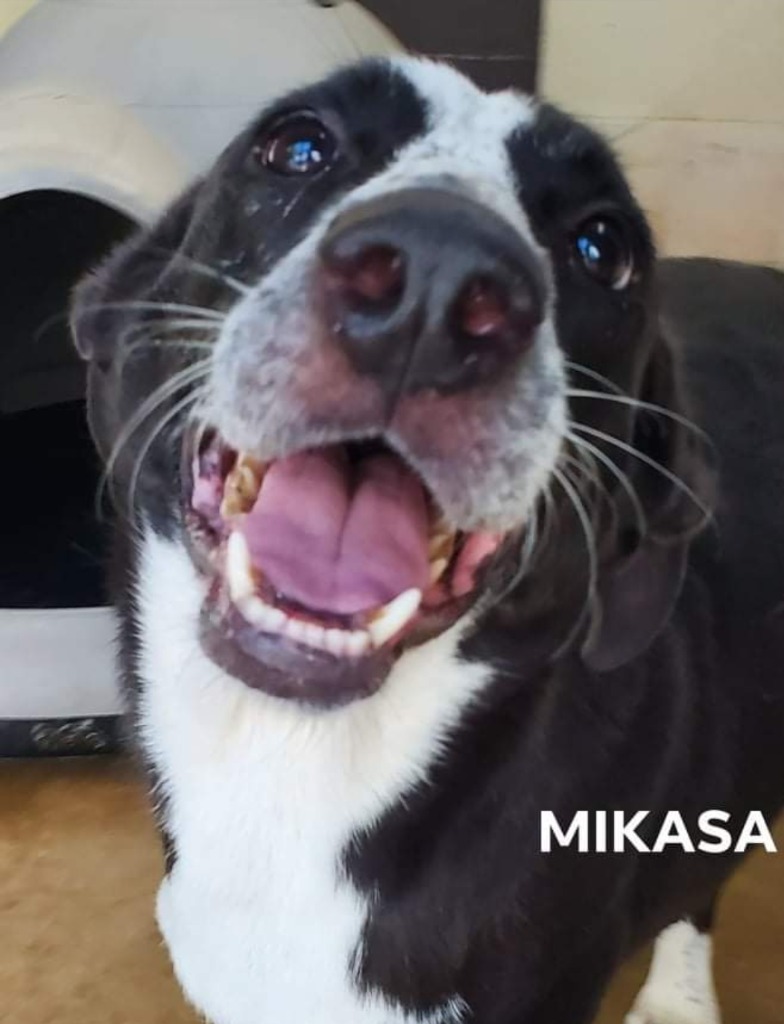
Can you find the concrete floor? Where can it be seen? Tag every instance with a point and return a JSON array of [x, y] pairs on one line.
[[79, 863]]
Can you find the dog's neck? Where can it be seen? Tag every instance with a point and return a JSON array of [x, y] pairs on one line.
[[267, 796]]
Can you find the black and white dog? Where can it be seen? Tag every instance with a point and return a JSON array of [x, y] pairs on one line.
[[444, 505]]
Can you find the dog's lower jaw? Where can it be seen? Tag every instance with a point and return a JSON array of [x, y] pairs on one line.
[[262, 797]]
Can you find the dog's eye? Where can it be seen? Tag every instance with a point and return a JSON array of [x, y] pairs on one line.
[[299, 145], [605, 252]]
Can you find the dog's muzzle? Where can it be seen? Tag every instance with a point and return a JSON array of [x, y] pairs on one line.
[[352, 505]]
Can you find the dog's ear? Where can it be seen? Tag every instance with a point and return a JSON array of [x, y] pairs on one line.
[[134, 272], [109, 302], [674, 481]]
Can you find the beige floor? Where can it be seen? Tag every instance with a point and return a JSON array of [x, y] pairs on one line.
[[78, 868]]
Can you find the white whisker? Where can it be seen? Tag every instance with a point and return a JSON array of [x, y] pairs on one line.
[[635, 403], [181, 344], [155, 433], [141, 305], [636, 454], [588, 471], [622, 478], [551, 513], [593, 558], [184, 378], [579, 368], [208, 271], [173, 326]]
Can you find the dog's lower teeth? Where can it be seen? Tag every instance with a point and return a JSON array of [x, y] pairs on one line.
[[388, 622], [343, 643], [314, 635], [339, 642], [261, 615], [335, 642], [356, 644], [296, 630], [394, 616]]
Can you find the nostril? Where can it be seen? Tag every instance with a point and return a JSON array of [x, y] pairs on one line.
[[372, 280], [482, 309], [489, 309]]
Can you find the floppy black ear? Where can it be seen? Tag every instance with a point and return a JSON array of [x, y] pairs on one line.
[[117, 296], [134, 271], [642, 581]]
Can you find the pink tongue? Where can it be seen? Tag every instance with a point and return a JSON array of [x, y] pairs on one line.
[[338, 539]]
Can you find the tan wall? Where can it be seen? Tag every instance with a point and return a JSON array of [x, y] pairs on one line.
[[11, 11], [692, 92]]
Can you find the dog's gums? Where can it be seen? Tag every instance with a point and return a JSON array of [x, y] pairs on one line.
[[340, 550]]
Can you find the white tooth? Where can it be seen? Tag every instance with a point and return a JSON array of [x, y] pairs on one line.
[[440, 542], [261, 615], [296, 630], [315, 636], [276, 619], [437, 569], [253, 611], [239, 568], [256, 467], [247, 483], [392, 618], [242, 486], [356, 644], [335, 641]]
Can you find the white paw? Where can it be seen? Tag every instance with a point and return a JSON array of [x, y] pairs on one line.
[[679, 989], [680, 1014], [671, 1015]]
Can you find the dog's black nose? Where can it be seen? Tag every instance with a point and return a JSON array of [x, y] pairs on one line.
[[429, 290]]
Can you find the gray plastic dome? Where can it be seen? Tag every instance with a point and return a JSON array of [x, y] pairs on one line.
[[122, 99], [106, 109]]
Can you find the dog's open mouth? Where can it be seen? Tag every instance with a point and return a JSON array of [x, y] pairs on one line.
[[339, 551]]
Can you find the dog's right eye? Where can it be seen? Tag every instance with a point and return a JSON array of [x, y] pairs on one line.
[[297, 146], [605, 252]]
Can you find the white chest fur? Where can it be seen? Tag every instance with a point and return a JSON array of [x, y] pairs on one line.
[[262, 798]]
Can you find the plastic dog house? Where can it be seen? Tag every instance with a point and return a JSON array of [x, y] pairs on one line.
[[105, 111]]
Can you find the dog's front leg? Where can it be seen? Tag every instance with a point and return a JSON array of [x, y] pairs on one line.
[[679, 988]]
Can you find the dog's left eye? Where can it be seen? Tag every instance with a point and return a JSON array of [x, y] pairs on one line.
[[604, 249], [299, 145]]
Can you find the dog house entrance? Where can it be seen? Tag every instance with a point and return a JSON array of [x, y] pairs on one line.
[[51, 546]]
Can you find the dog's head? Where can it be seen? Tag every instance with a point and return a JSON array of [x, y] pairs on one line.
[[399, 324]]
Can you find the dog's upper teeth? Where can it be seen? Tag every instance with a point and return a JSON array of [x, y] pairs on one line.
[[442, 545], [242, 486], [394, 616], [440, 551], [239, 568], [438, 568]]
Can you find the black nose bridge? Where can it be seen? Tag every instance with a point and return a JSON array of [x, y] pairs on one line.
[[432, 222], [430, 288]]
